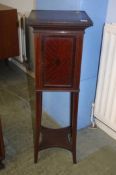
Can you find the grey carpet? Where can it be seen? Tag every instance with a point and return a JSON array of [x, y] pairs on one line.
[[18, 110]]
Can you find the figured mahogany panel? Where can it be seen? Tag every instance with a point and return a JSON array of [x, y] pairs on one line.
[[58, 60]]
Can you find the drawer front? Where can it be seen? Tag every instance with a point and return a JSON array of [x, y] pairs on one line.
[[56, 57]]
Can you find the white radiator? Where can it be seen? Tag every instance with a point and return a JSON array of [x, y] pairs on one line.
[[105, 102], [22, 38]]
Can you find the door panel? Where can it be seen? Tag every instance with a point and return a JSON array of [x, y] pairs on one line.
[[58, 60]]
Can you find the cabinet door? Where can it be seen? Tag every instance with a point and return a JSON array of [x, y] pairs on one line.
[[56, 60]]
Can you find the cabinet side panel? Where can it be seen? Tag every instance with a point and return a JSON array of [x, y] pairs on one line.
[[78, 59], [9, 44], [38, 61]]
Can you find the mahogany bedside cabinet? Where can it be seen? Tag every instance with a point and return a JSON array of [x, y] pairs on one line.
[[58, 40]]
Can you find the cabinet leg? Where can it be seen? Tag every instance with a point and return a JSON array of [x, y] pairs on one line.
[[6, 62], [37, 124], [73, 112], [2, 147], [1, 165]]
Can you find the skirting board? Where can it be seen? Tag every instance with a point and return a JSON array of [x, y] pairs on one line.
[[106, 129], [23, 68]]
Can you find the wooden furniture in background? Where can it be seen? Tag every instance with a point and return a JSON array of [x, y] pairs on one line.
[[58, 40], [9, 44], [2, 150]]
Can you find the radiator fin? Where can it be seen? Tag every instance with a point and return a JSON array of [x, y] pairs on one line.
[[105, 102]]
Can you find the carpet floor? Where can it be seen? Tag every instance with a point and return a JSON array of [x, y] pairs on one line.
[[58, 162], [17, 110]]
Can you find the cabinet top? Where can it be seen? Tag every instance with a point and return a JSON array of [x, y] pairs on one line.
[[47, 19], [5, 7]]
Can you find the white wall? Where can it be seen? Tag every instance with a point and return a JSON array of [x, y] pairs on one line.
[[21, 5], [58, 4], [111, 13]]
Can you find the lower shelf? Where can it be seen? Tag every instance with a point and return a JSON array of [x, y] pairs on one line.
[[55, 138]]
